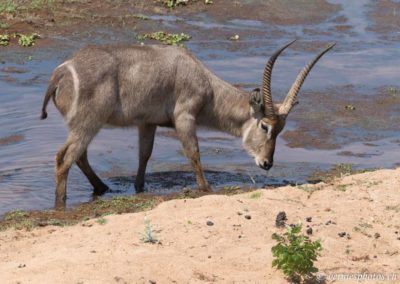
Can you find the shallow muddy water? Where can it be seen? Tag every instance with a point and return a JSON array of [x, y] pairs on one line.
[[362, 70]]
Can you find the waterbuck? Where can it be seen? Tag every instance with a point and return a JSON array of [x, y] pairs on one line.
[[149, 86]]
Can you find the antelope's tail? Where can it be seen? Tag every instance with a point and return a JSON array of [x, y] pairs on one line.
[[51, 90]]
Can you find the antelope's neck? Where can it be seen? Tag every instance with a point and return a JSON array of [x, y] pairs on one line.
[[229, 110]]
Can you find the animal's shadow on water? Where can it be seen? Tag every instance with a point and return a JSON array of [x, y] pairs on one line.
[[173, 181]]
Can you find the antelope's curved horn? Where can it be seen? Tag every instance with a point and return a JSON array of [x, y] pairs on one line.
[[266, 89], [290, 99]]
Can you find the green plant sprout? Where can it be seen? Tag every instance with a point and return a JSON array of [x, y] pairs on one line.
[[295, 254]]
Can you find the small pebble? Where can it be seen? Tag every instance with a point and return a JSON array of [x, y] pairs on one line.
[[280, 219], [239, 213], [328, 223], [377, 235], [309, 219], [209, 256], [342, 234], [248, 217], [375, 256], [309, 231], [210, 223]]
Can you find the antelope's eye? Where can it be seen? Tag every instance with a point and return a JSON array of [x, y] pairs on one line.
[[265, 127]]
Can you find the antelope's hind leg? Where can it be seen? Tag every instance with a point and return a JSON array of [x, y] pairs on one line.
[[87, 111], [98, 186], [73, 149]]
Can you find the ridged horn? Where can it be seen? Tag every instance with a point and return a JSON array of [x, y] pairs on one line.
[[290, 99], [266, 89]]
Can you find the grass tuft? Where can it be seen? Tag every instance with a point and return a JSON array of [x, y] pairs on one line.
[[255, 195], [149, 235], [7, 7]]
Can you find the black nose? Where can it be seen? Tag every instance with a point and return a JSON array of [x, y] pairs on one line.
[[267, 165]]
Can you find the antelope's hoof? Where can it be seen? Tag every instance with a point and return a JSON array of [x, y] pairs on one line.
[[59, 204], [205, 189], [100, 190], [139, 188]]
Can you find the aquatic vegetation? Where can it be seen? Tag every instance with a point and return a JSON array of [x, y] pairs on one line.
[[23, 40], [350, 107], [174, 3], [140, 17], [4, 39], [234, 38], [39, 4], [166, 38], [392, 91], [27, 40], [4, 26]]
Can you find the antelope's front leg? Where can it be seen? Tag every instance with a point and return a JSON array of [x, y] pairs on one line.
[[146, 142], [185, 126]]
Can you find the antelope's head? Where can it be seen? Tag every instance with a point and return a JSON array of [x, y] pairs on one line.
[[268, 119]]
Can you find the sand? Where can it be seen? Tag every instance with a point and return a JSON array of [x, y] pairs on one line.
[[234, 249]]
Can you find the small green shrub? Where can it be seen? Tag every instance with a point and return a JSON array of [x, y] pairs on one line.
[[295, 254]]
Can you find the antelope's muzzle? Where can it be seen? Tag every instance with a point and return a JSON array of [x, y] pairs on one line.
[[266, 165]]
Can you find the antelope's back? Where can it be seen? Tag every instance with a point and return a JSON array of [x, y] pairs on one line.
[[150, 79]]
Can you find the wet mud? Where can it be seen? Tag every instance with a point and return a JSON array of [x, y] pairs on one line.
[[384, 19], [344, 115], [10, 139], [60, 17]]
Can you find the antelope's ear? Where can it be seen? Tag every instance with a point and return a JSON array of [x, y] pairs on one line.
[[256, 103]]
